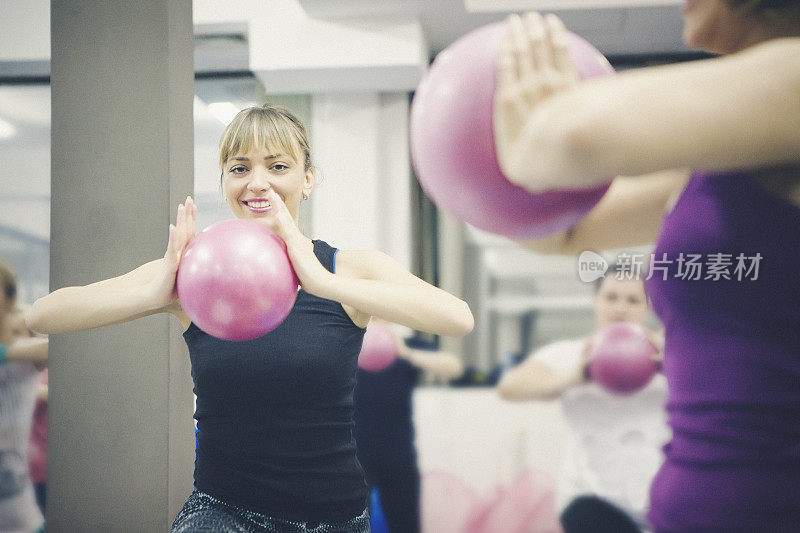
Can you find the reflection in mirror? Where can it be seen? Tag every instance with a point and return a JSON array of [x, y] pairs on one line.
[[475, 450], [25, 189], [24, 276]]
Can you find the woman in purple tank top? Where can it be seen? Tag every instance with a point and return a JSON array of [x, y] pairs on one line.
[[723, 276]]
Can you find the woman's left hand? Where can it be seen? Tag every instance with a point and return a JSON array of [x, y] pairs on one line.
[[533, 64], [300, 248]]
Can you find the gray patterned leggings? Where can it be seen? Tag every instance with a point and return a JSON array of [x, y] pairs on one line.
[[203, 513]]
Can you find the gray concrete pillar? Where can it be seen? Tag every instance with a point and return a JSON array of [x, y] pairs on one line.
[[121, 440]]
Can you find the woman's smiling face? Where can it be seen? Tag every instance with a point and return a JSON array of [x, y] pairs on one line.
[[248, 176]]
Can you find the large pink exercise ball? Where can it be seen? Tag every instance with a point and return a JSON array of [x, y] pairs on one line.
[[621, 358], [452, 142], [379, 349], [235, 280]]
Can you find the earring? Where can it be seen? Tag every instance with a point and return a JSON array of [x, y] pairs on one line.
[[305, 196]]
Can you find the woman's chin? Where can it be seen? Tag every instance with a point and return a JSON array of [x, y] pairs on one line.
[[255, 213]]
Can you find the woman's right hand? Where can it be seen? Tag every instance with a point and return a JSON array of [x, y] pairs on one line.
[[141, 292], [534, 63], [310, 272], [180, 234]]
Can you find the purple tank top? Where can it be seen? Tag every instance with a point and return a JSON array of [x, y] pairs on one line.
[[732, 359]]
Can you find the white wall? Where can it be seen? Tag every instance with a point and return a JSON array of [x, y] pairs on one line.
[[363, 199], [485, 440], [25, 30]]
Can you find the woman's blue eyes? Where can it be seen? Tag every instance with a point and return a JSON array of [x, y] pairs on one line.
[[278, 167]]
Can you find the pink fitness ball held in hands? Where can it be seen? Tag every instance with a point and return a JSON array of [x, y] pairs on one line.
[[453, 148], [235, 280]]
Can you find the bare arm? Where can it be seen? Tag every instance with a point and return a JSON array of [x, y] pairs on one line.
[[370, 283], [629, 214], [738, 111], [531, 380], [31, 350], [374, 284], [103, 303], [443, 365], [145, 290]]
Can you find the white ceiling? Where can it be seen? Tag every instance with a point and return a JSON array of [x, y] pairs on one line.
[[615, 27]]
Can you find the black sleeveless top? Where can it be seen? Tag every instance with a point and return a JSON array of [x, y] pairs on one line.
[[275, 414]]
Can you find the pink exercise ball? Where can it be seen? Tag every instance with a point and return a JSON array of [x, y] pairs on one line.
[[452, 142], [235, 280], [379, 348], [621, 358]]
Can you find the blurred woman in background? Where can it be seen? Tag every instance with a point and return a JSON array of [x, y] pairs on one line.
[[614, 441], [19, 384]]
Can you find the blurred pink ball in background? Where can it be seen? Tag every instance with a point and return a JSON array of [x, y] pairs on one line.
[[379, 348], [621, 358]]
